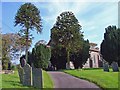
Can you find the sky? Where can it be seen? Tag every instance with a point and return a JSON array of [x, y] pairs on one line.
[[94, 17]]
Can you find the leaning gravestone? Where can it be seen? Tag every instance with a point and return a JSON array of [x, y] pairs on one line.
[[105, 67], [115, 67], [37, 77], [27, 78], [20, 72]]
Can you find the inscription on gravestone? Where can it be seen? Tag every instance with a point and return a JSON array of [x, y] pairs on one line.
[[37, 77], [115, 67], [27, 78]]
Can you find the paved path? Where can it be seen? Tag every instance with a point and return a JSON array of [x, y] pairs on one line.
[[62, 80]]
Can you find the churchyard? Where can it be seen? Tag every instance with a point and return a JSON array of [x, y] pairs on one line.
[[106, 80], [13, 81], [66, 44]]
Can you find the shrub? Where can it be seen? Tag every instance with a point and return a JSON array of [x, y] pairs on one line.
[[41, 54]]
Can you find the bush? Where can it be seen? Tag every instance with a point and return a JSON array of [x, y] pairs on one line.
[[41, 56]]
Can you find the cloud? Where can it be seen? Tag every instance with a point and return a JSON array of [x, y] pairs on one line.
[[93, 17], [94, 26]]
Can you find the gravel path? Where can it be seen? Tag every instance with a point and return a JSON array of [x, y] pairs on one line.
[[63, 80]]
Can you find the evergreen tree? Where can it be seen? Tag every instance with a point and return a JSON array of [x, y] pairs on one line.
[[28, 18], [41, 55], [110, 45], [66, 33], [80, 57]]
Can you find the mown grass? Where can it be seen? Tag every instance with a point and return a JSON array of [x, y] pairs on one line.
[[106, 80], [12, 81], [47, 81]]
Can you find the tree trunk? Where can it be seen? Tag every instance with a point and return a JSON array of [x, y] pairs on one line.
[[27, 45], [68, 59]]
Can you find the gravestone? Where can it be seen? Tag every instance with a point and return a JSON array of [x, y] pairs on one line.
[[71, 65], [27, 78], [115, 67], [105, 67], [22, 61], [20, 72], [37, 77], [67, 65]]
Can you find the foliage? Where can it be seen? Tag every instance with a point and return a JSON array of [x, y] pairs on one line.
[[58, 57], [10, 47], [67, 42], [66, 32], [28, 18], [110, 45], [79, 58], [103, 79], [22, 41], [40, 56]]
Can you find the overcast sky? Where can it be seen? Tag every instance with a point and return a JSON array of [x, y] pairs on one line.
[[94, 17]]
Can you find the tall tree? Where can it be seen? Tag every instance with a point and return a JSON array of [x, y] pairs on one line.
[[66, 32], [80, 57], [110, 45], [28, 17]]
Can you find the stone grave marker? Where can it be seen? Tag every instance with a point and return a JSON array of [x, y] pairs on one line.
[[37, 77], [115, 67], [105, 67], [27, 78], [20, 72], [71, 65]]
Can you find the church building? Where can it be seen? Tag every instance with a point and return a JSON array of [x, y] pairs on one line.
[[95, 60]]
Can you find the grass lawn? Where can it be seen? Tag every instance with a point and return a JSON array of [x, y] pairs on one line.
[[12, 81], [105, 80], [47, 81]]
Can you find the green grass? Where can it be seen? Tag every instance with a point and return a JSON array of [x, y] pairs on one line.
[[103, 79], [12, 81], [47, 81]]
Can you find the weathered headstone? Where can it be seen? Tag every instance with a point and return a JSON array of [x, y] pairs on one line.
[[27, 78], [37, 77], [20, 72], [105, 67], [115, 67]]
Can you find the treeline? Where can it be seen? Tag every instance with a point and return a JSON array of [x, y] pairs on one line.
[[67, 41]]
